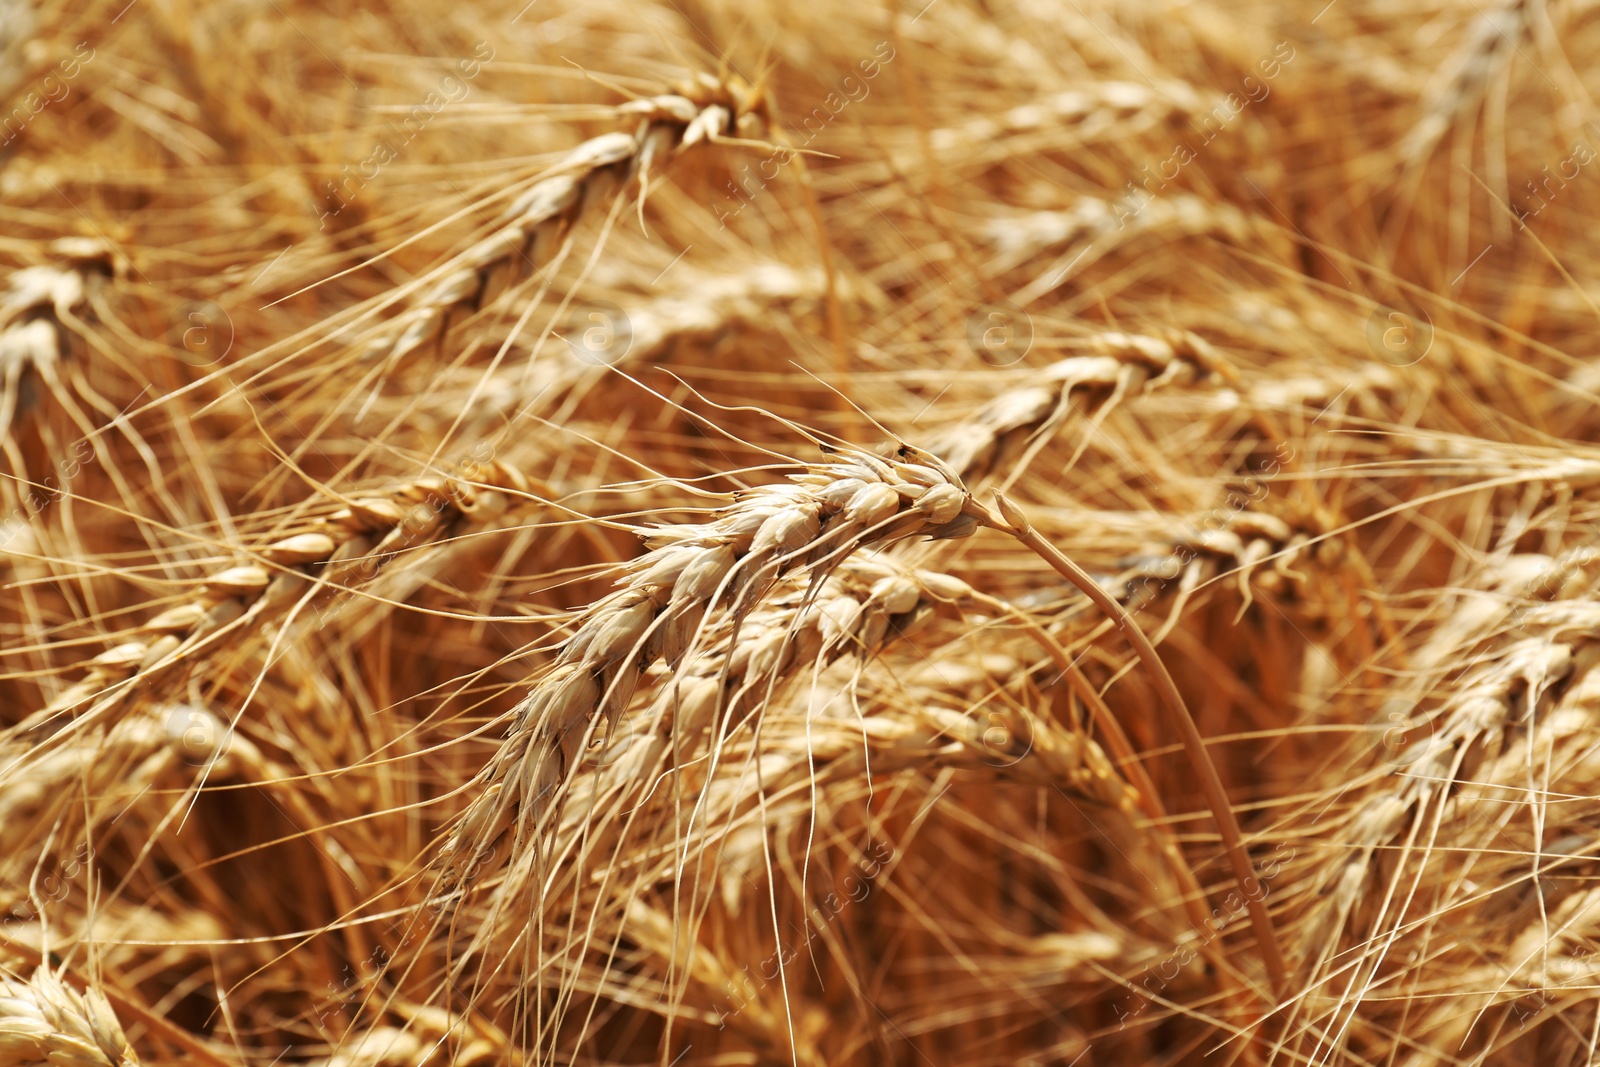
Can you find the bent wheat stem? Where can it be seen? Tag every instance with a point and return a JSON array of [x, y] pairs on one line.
[[1016, 523]]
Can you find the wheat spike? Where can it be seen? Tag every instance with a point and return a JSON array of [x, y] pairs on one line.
[[40, 309], [704, 111], [46, 1023], [817, 519], [348, 545], [1126, 364]]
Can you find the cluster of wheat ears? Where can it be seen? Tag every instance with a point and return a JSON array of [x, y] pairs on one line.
[[616, 532]]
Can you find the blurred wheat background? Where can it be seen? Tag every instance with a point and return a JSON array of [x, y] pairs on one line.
[[964, 532]]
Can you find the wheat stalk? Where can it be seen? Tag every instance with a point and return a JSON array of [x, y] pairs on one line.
[[37, 793]]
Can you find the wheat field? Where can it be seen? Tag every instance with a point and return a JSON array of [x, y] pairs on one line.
[[695, 533]]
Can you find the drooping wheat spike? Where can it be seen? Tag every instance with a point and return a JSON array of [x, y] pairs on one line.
[[152, 760], [1544, 926], [1257, 550], [1065, 119], [43, 1021], [703, 111], [1457, 90], [743, 666], [177, 936], [706, 304], [814, 521], [857, 611]]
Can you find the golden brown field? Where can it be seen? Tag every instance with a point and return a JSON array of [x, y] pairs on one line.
[[698, 533]]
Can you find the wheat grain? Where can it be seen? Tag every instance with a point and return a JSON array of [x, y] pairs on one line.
[[1469, 728]]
